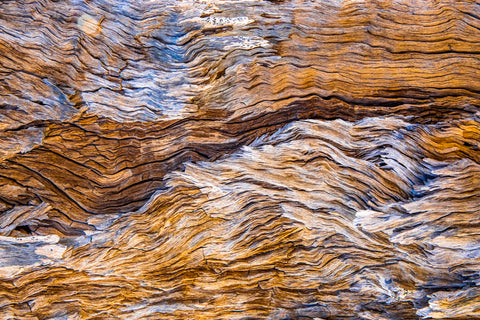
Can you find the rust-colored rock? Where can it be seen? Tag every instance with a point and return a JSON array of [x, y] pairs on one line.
[[239, 159]]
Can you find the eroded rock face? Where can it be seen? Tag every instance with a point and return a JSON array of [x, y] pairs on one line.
[[239, 159]]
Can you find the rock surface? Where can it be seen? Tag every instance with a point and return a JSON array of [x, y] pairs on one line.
[[239, 159]]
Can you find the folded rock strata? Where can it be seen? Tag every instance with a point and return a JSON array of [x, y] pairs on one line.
[[239, 159]]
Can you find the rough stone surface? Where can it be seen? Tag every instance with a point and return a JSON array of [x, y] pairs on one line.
[[239, 159]]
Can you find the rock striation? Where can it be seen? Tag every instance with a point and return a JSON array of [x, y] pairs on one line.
[[221, 159]]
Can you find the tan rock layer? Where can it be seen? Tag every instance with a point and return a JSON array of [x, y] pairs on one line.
[[239, 160]]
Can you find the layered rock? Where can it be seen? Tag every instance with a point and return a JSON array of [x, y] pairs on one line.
[[239, 159]]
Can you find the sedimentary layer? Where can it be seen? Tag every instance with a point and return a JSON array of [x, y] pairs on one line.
[[239, 159]]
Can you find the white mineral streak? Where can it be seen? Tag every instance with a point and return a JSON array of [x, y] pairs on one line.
[[31, 239]]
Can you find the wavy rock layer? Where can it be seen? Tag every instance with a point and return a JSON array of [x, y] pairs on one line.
[[239, 159]]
